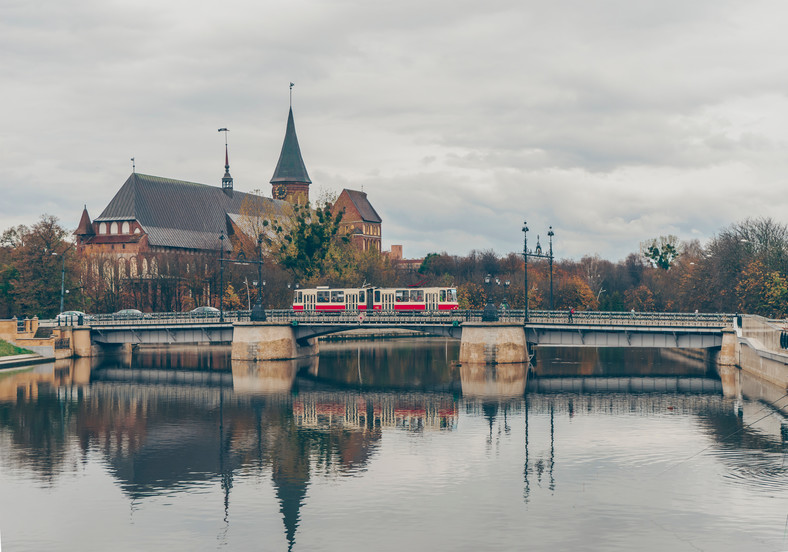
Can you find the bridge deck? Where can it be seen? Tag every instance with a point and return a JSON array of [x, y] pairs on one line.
[[546, 328]]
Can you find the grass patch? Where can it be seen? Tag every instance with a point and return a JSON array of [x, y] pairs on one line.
[[7, 349]]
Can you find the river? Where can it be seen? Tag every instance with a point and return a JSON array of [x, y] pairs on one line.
[[390, 445]]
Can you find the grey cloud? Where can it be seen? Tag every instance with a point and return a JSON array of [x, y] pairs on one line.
[[614, 121]]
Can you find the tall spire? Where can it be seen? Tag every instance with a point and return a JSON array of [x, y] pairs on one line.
[[290, 180], [227, 180]]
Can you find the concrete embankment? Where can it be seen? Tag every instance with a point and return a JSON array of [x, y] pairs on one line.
[[759, 352], [16, 361]]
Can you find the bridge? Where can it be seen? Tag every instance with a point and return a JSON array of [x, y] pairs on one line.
[[292, 334]]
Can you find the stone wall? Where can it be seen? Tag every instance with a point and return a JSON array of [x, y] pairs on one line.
[[759, 350], [493, 343]]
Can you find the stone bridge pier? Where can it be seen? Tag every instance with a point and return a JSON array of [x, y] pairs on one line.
[[493, 343], [270, 341], [81, 345]]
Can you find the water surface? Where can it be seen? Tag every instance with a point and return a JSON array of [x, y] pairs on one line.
[[390, 445]]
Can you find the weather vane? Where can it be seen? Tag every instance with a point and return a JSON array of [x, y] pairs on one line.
[[225, 130], [133, 166], [291, 93]]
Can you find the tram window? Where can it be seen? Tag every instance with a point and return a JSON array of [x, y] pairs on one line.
[[443, 296], [377, 296], [337, 296], [417, 295], [452, 295], [401, 296], [323, 296], [362, 296], [300, 297]]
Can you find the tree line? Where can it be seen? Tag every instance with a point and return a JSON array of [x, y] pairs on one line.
[[742, 268]]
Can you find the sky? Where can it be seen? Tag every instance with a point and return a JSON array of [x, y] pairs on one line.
[[612, 121]]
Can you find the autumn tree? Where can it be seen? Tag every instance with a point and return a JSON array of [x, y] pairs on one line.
[[640, 299], [762, 291], [35, 260], [573, 291]]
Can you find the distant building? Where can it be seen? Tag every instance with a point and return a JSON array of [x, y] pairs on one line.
[[395, 256], [360, 220], [151, 215]]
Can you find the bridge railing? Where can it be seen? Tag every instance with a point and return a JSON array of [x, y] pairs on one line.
[[456, 317], [713, 320]]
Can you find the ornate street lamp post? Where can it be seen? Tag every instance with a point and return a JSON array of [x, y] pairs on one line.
[[490, 313], [258, 312], [538, 253], [63, 275]]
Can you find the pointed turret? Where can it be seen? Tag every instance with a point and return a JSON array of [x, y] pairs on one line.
[[290, 180], [85, 227]]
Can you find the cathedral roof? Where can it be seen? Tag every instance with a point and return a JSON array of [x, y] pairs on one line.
[[290, 167], [176, 213], [363, 206]]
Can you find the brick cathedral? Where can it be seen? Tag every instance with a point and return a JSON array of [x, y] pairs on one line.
[[153, 214]]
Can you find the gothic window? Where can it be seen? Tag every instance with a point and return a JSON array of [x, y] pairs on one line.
[[126, 227], [107, 270], [113, 228], [144, 267], [133, 267], [103, 228]]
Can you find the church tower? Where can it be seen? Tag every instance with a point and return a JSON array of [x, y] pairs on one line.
[[227, 180], [290, 181]]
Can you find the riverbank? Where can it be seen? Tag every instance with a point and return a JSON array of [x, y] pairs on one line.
[[17, 361], [12, 356]]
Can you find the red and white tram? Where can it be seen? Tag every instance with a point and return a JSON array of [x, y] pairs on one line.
[[375, 299]]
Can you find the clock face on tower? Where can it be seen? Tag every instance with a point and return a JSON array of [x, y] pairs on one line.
[[281, 191]]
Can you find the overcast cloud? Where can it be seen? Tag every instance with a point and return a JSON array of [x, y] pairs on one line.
[[614, 121]]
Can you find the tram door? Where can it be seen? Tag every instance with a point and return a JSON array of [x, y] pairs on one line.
[[432, 300], [352, 301], [388, 300], [366, 297], [309, 301]]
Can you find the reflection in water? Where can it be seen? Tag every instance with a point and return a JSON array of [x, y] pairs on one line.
[[166, 426], [412, 363], [267, 377], [493, 381]]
